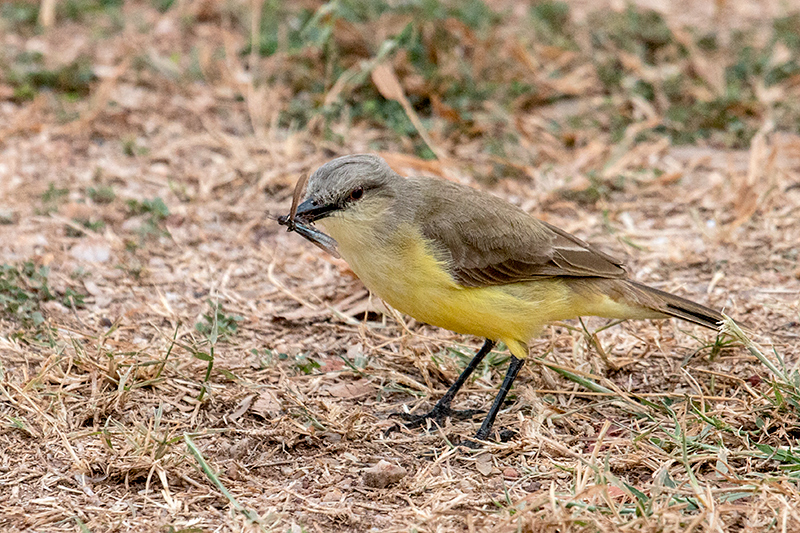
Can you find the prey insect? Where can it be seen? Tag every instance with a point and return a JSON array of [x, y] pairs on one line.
[[303, 227]]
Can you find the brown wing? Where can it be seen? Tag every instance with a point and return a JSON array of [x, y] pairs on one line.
[[487, 241]]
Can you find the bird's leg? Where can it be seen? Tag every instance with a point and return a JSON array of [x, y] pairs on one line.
[[488, 422], [442, 410]]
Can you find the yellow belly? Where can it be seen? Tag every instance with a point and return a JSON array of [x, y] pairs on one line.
[[403, 272], [399, 267]]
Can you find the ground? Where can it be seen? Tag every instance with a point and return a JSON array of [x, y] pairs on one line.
[[172, 359]]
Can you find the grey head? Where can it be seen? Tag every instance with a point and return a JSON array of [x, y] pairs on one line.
[[345, 181]]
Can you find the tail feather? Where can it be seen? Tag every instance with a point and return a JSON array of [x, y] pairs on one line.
[[671, 305]]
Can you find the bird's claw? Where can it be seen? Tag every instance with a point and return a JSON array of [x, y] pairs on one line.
[[479, 440]]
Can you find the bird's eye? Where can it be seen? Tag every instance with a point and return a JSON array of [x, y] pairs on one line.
[[356, 193]]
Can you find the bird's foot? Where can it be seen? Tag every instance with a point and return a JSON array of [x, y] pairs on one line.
[[438, 414], [479, 440]]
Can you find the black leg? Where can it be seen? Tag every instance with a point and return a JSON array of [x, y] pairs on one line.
[[488, 422], [442, 410]]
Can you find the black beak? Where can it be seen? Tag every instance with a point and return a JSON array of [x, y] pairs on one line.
[[311, 211]]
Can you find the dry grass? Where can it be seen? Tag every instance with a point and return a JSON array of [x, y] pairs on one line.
[[200, 369]]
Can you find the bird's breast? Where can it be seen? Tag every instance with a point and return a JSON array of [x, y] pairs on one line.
[[401, 268], [397, 265]]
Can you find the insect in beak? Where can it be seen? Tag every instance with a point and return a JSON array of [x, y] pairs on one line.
[[303, 226]]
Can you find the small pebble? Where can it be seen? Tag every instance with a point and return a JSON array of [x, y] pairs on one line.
[[533, 486], [383, 474], [510, 473], [91, 251]]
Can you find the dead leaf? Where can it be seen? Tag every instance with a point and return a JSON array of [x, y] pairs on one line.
[[242, 408], [267, 405], [483, 463], [352, 389], [386, 82], [401, 162]]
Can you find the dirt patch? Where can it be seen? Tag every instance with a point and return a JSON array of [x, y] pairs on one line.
[[163, 321]]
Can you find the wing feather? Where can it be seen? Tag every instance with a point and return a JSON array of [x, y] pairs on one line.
[[486, 241]]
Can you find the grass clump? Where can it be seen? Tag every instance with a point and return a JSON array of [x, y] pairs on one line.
[[102, 194], [153, 212], [23, 290], [217, 324], [19, 14], [29, 76]]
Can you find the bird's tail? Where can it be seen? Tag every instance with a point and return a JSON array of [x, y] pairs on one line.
[[671, 305]]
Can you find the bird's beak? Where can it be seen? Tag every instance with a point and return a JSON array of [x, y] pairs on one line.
[[310, 211]]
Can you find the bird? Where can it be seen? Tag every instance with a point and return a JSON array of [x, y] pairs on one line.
[[456, 257]]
